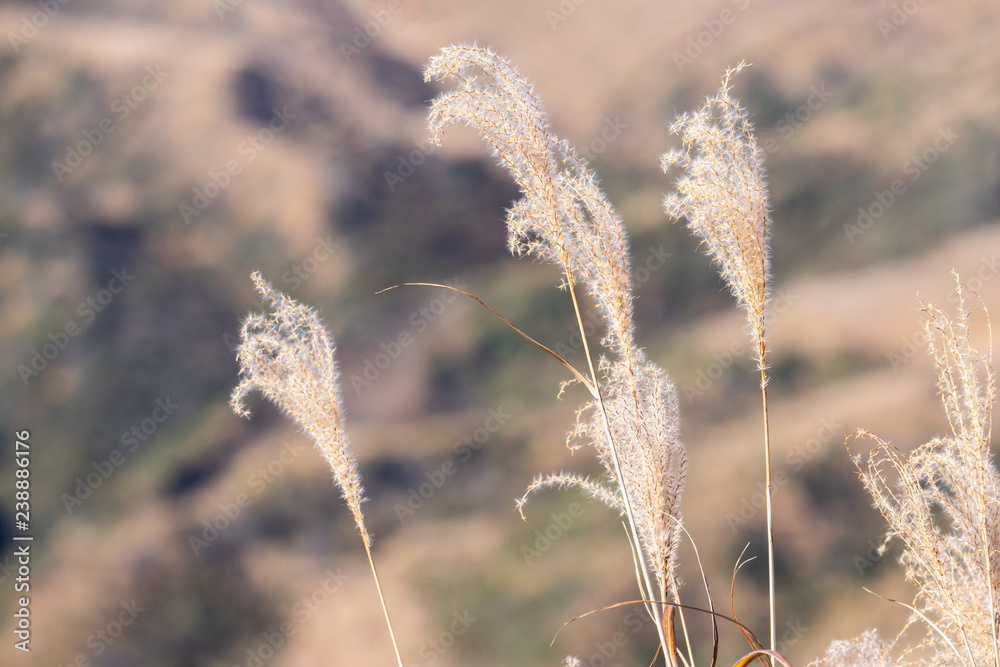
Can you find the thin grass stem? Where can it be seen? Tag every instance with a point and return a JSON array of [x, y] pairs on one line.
[[930, 623], [649, 593], [770, 517], [711, 602], [381, 597]]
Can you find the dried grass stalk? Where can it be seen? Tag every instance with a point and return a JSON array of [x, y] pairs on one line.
[[565, 218], [288, 356], [942, 501], [722, 192]]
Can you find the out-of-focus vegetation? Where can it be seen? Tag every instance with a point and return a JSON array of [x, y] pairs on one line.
[[152, 155]]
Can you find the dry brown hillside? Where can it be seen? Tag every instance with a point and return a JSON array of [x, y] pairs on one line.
[[153, 154]]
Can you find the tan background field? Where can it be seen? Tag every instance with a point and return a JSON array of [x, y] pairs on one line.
[[288, 137]]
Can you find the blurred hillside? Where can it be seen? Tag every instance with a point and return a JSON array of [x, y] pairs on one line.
[[153, 154]]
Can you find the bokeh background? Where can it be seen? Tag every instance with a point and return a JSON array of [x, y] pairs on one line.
[[153, 154]]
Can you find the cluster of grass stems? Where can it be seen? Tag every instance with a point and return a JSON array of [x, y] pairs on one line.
[[631, 417]]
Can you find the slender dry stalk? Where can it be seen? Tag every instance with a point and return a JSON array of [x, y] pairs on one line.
[[723, 195], [564, 218], [288, 356], [942, 501]]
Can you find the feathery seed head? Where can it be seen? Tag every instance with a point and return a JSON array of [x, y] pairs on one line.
[[867, 650], [563, 216], [288, 356], [723, 194], [940, 500]]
